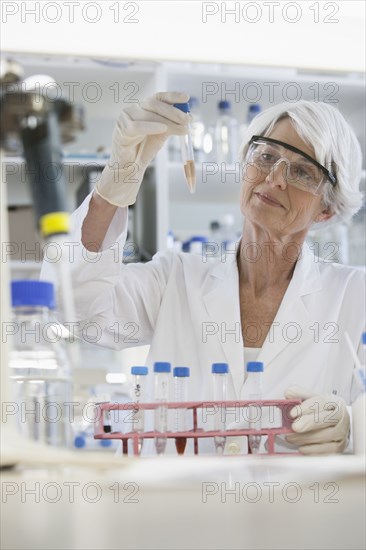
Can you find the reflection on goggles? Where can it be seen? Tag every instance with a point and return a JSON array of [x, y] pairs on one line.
[[300, 171]]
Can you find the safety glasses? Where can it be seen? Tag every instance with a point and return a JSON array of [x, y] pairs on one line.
[[301, 170]]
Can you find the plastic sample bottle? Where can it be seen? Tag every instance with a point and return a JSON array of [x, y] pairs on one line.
[[220, 375], [226, 135], [181, 381], [254, 382], [161, 390], [139, 375], [39, 365]]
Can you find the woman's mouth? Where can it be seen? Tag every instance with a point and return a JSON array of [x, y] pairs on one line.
[[264, 197]]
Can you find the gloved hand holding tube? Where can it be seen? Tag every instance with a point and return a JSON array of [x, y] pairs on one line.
[[321, 423], [140, 132]]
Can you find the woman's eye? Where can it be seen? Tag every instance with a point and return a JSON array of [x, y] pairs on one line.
[[304, 173], [267, 157]]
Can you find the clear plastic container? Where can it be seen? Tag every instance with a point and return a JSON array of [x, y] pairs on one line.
[[39, 366], [139, 375], [254, 413], [162, 372], [181, 382], [197, 129], [220, 383]]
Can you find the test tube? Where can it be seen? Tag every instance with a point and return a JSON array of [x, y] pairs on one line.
[[254, 380], [139, 391], [220, 372], [187, 151], [162, 371], [181, 377]]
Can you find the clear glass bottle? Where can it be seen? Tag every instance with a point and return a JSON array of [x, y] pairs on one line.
[[220, 384], [162, 372], [39, 366], [226, 135], [254, 383], [181, 381]]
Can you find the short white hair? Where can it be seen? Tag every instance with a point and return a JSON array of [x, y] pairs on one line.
[[335, 145]]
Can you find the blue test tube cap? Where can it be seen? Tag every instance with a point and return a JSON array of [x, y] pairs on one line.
[[143, 371], [181, 372], [162, 366], [182, 107], [364, 338], [220, 368], [255, 366]]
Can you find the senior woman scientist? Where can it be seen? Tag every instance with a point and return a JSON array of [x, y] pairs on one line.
[[282, 306]]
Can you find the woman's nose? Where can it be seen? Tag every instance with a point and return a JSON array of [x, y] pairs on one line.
[[277, 174]]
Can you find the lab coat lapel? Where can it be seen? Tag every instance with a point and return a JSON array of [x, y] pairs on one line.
[[221, 298], [293, 319]]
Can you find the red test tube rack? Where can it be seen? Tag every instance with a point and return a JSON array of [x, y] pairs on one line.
[[284, 405]]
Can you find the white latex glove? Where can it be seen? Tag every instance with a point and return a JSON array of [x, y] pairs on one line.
[[322, 422], [140, 132]]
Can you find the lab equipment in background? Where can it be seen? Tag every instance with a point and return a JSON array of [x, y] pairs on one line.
[[39, 366], [197, 245], [228, 236], [197, 129], [226, 135], [139, 375], [162, 375], [359, 405], [187, 151], [220, 375], [84, 440], [181, 380], [253, 110], [254, 381]]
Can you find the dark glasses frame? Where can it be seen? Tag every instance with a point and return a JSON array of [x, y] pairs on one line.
[[332, 178]]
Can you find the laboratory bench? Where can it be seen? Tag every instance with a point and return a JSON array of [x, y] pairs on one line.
[[248, 502]]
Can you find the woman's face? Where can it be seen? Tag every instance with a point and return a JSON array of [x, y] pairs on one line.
[[270, 202]]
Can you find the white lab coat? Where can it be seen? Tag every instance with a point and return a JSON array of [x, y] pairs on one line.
[[188, 311]]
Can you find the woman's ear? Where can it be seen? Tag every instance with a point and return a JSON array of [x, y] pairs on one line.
[[324, 215]]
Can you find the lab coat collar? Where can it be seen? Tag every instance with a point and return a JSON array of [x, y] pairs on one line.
[[222, 301]]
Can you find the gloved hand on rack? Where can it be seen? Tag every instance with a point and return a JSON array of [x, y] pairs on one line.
[[140, 132], [322, 422]]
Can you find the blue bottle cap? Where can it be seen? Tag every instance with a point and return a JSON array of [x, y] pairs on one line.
[[79, 441], [182, 107], [32, 293], [255, 366], [181, 372], [364, 338], [224, 104], [140, 370], [161, 366], [199, 239], [220, 368], [105, 442], [255, 108]]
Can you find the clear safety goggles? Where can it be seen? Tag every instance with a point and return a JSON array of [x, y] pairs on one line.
[[301, 171]]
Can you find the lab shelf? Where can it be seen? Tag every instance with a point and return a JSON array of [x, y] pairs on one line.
[[284, 405]]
